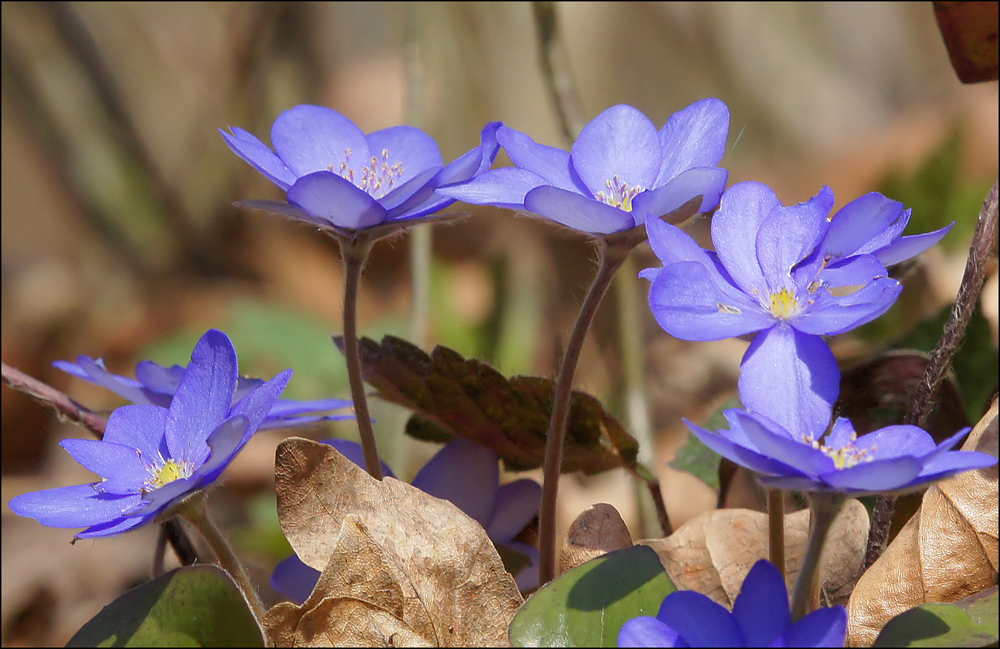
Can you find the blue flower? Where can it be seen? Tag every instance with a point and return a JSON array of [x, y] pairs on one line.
[[621, 170], [156, 385], [152, 458], [465, 474], [774, 273], [894, 459], [760, 618], [337, 177]]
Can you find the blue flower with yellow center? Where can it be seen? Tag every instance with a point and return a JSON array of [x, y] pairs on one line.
[[151, 457]]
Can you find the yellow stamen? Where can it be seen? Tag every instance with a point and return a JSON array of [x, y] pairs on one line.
[[784, 304], [619, 194], [844, 457], [168, 472]]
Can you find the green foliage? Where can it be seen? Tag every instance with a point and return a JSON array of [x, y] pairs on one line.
[[588, 605], [699, 460], [193, 606], [971, 622]]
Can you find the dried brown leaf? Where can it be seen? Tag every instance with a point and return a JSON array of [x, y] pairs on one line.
[[454, 396], [599, 529], [947, 551], [404, 561], [713, 553]]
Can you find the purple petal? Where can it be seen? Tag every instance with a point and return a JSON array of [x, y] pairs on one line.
[[620, 142], [858, 222], [315, 138], [294, 579], [288, 210], [951, 463], [725, 445], [825, 627], [761, 608], [707, 182], [121, 466], [742, 209], [259, 156], [408, 146], [330, 197], [505, 187], [791, 378], [787, 448], [414, 197], [117, 526], [291, 407], [875, 476], [259, 404], [855, 271], [789, 234], [699, 621], [897, 441], [76, 506], [225, 442], [527, 578], [157, 378], [203, 397], [94, 371], [550, 163], [908, 247], [141, 427], [353, 452], [167, 496], [516, 504], [466, 474], [689, 305], [577, 211], [293, 421], [830, 316], [475, 161], [693, 137], [671, 244], [646, 631]]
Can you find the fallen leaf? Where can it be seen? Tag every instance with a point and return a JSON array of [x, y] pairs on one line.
[[453, 396], [970, 32], [599, 529], [713, 553], [947, 551], [383, 536]]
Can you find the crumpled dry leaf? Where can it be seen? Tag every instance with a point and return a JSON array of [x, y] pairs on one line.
[[947, 551], [599, 529], [713, 553], [452, 395], [395, 560]]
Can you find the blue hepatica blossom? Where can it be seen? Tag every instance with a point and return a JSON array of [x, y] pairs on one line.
[[152, 458], [467, 475], [789, 274], [760, 618], [335, 176], [894, 459], [156, 385], [620, 172]]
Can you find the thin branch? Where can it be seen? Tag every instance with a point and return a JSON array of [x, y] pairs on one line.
[[554, 60], [947, 346]]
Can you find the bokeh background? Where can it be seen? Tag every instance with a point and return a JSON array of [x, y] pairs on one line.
[[120, 238]]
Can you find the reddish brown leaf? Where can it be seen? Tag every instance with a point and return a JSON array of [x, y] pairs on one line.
[[970, 33]]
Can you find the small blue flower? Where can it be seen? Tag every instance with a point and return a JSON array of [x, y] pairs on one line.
[[894, 459], [760, 618], [465, 474], [337, 177], [156, 385], [620, 172], [779, 272], [152, 458]]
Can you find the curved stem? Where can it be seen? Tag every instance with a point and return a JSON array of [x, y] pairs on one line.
[[610, 259], [194, 512], [976, 271], [354, 251], [823, 508], [776, 528]]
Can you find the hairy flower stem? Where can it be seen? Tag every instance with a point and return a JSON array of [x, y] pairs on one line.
[[610, 257], [823, 508], [776, 528], [354, 251], [194, 512], [976, 270]]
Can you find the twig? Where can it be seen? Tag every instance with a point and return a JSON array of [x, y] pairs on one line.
[[951, 340]]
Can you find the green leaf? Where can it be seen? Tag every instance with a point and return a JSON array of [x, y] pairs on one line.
[[193, 606], [971, 622], [588, 605], [698, 460]]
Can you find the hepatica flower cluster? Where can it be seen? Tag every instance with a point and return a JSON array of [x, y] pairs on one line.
[[153, 457]]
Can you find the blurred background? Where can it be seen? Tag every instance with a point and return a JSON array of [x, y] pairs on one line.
[[120, 238]]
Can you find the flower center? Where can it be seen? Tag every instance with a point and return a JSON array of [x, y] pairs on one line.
[[619, 194], [783, 304], [170, 471], [844, 457], [377, 176]]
